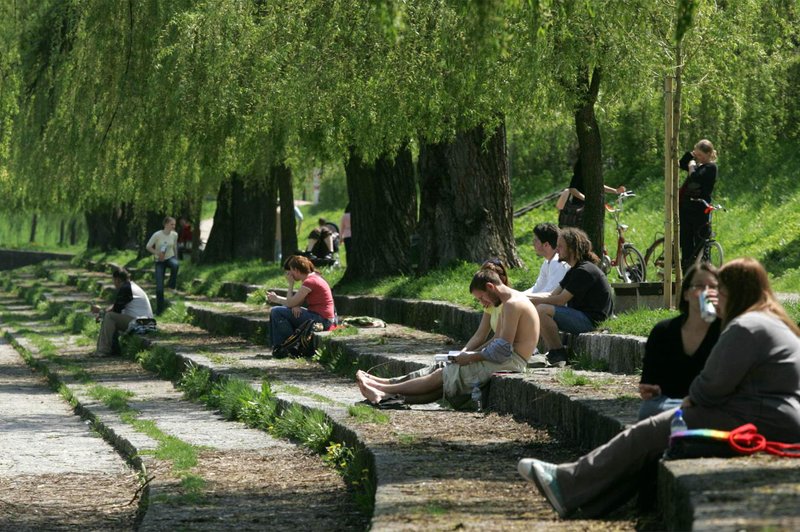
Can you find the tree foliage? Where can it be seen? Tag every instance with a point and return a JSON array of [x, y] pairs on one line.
[[153, 103]]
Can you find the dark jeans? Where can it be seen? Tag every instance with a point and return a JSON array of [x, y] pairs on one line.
[[282, 322], [161, 271], [694, 230]]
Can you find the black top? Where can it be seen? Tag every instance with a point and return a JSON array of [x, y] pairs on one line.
[[577, 183], [591, 293], [667, 364], [699, 184], [124, 296]]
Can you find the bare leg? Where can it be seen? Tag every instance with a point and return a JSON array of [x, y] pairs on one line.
[[419, 386], [423, 398], [549, 327], [361, 374]]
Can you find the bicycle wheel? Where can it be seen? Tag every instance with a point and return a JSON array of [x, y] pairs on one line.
[[714, 253], [655, 257], [632, 267]]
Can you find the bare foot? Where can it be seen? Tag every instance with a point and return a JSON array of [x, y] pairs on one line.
[[366, 377], [361, 387], [373, 395]]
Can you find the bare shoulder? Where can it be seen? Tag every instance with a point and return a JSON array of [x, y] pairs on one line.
[[519, 302]]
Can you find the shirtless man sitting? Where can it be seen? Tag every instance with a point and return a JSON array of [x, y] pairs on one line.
[[509, 350]]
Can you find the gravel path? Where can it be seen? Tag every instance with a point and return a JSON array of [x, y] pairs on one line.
[[55, 473]]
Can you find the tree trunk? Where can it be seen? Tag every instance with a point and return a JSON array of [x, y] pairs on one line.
[[111, 228], [282, 176], [73, 231], [383, 209], [244, 223], [34, 223], [676, 171], [590, 154], [466, 211], [62, 232]]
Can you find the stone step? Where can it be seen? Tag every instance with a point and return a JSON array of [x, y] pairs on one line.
[[703, 494], [622, 354], [243, 477], [431, 470]]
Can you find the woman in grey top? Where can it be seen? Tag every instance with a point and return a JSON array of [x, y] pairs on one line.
[[752, 376]]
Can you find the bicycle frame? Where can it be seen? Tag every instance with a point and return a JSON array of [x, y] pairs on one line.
[[709, 241], [628, 260]]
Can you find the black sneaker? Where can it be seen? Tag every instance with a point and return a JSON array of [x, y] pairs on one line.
[[557, 358]]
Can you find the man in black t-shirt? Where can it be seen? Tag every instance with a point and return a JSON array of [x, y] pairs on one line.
[[582, 300]]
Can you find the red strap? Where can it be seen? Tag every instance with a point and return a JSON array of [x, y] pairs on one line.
[[747, 440], [787, 450]]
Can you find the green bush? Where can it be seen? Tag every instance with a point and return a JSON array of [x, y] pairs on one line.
[[160, 360], [195, 383]]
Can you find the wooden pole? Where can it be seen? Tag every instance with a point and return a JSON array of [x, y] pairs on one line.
[[668, 190]]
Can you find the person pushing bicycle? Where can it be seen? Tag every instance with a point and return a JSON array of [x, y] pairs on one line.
[[701, 165]]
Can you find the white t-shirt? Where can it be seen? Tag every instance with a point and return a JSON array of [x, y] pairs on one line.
[[139, 307], [549, 276], [161, 240]]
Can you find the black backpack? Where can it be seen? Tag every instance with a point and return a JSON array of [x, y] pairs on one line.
[[299, 345]]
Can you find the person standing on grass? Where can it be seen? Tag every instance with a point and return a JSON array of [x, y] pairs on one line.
[[163, 245], [582, 300], [314, 292], [347, 230], [130, 303], [701, 165]]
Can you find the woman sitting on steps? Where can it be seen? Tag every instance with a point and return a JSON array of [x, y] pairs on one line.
[[751, 376]]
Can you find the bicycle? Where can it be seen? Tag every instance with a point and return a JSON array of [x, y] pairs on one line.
[[710, 247], [629, 262]]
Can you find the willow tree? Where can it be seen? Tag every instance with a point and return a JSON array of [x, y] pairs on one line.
[[79, 107], [460, 59], [371, 78], [590, 55]]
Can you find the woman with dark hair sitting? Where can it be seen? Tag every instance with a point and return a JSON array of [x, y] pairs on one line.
[[751, 376], [677, 348]]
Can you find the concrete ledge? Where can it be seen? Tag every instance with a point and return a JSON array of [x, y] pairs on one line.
[[758, 492], [589, 421], [11, 259], [623, 353], [226, 324], [237, 291]]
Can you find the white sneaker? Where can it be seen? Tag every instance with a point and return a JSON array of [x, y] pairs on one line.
[[543, 474], [537, 361]]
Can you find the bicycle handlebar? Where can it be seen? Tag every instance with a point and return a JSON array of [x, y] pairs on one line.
[[709, 207]]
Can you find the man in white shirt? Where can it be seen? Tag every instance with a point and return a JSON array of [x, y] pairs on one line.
[[545, 240], [130, 303]]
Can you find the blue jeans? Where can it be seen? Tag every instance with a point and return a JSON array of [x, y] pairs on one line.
[[161, 271], [571, 320], [656, 405], [282, 322]]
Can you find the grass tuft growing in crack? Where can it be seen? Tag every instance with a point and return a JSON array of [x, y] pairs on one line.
[[114, 398], [367, 414], [160, 360], [195, 383]]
